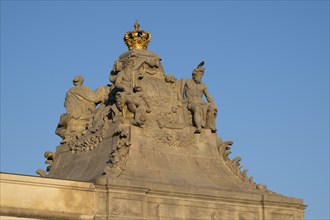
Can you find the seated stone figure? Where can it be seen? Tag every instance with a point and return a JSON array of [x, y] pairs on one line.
[[204, 113], [80, 103], [127, 90]]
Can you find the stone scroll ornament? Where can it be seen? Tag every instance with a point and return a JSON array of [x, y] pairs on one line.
[[50, 156], [235, 167]]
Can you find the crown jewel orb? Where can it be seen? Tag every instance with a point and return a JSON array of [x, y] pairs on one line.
[[137, 39]]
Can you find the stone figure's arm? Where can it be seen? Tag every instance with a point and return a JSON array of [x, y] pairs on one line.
[[183, 89], [90, 95], [112, 76], [208, 96], [179, 90], [103, 92], [118, 81]]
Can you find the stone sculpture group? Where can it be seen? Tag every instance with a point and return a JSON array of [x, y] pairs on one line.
[[170, 112], [131, 97], [147, 142]]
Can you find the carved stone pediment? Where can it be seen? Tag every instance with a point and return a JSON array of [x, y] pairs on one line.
[[147, 127]]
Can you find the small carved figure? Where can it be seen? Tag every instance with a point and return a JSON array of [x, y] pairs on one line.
[[80, 103], [176, 86], [204, 113], [135, 103], [124, 75], [117, 67], [170, 78]]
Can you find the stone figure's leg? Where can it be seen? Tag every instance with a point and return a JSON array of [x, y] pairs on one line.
[[134, 106], [146, 103], [204, 111], [138, 120], [131, 106], [197, 113], [70, 130], [211, 116], [62, 125], [141, 108]]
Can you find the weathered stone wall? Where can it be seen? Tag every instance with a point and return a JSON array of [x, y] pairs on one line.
[[44, 198], [34, 197]]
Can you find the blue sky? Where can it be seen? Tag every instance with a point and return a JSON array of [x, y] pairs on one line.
[[267, 67]]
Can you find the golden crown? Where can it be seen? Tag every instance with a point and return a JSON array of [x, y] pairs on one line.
[[137, 39]]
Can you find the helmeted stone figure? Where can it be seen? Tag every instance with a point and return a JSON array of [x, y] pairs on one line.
[[204, 113], [80, 103]]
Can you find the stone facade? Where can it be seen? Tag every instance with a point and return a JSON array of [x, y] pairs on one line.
[[142, 147], [27, 197]]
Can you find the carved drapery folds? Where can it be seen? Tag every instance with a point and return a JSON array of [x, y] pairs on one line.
[[80, 103]]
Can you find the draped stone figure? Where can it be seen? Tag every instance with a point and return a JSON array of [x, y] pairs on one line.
[[80, 103]]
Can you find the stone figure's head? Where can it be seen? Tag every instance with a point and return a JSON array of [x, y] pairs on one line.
[[153, 62], [117, 66], [197, 74], [170, 78], [112, 77], [78, 80], [174, 110]]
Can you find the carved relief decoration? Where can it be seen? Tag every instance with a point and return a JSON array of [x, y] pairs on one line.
[[235, 166], [141, 95], [86, 143], [171, 123], [119, 155], [50, 156]]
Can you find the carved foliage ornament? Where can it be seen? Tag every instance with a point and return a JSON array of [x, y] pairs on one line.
[[235, 166], [86, 144], [119, 155], [50, 156]]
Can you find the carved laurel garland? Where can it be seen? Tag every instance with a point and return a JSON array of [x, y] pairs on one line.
[[86, 144], [119, 155]]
